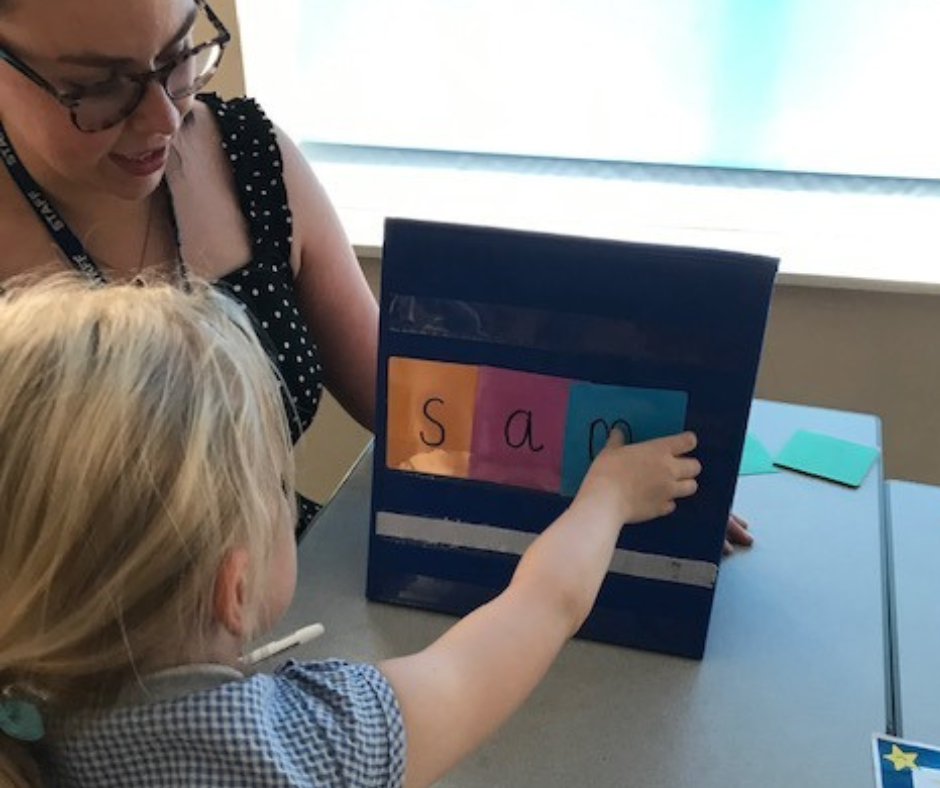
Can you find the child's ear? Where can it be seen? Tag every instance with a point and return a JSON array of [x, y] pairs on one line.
[[230, 604]]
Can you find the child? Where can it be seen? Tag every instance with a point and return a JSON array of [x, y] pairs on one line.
[[146, 535]]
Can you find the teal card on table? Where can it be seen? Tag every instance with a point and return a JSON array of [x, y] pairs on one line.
[[755, 458], [827, 457]]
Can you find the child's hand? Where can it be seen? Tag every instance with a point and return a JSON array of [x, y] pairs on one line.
[[643, 480], [458, 690]]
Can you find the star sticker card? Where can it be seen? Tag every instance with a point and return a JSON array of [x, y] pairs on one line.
[[905, 764]]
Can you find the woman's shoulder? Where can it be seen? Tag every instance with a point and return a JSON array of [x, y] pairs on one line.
[[248, 138], [233, 111]]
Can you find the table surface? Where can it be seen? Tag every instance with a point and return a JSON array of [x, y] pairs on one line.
[[789, 692], [915, 530]]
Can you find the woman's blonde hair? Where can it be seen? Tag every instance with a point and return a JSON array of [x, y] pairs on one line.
[[142, 436]]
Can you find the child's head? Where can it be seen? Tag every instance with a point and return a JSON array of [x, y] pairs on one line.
[[143, 440]]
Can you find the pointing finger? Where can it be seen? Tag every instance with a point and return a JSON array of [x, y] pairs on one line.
[[616, 438]]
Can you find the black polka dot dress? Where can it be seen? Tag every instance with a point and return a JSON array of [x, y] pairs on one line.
[[266, 283]]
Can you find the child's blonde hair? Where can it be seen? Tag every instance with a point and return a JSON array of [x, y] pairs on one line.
[[142, 436]]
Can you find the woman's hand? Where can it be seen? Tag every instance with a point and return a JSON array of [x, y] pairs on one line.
[[736, 534]]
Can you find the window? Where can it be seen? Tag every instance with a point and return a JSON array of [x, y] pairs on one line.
[[804, 129], [829, 86]]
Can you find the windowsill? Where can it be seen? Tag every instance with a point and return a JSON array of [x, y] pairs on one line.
[[828, 231]]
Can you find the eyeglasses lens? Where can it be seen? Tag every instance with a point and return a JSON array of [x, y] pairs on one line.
[[100, 109], [191, 74]]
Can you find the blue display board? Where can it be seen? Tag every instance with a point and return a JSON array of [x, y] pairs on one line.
[[505, 357]]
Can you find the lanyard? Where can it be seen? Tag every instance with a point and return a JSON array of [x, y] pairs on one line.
[[58, 229], [63, 236]]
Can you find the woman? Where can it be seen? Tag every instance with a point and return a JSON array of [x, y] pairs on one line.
[[114, 165]]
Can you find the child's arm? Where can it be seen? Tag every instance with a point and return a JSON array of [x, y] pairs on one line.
[[463, 686]]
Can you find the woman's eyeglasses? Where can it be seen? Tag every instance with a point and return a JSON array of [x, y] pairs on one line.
[[107, 103]]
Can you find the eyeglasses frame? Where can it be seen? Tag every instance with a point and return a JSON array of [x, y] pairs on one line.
[[71, 101]]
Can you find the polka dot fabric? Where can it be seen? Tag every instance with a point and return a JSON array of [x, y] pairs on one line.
[[266, 283]]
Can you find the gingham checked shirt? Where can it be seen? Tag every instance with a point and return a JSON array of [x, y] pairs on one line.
[[318, 724]]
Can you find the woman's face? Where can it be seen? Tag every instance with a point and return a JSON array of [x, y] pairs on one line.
[[75, 44]]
